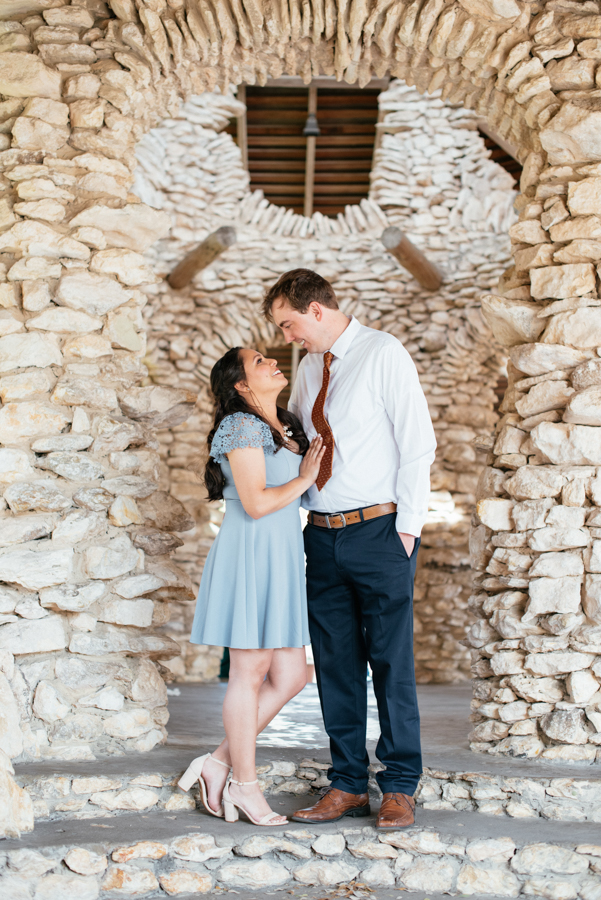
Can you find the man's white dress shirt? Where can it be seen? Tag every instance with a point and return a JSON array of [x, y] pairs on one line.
[[383, 434]]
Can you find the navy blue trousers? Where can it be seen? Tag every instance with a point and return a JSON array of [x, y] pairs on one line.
[[360, 597]]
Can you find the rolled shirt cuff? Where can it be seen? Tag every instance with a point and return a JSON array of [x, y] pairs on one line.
[[408, 524]]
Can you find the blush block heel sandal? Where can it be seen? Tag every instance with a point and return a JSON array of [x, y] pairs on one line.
[[194, 773], [231, 808]]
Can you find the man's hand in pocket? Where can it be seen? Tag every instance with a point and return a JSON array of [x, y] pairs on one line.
[[408, 542]]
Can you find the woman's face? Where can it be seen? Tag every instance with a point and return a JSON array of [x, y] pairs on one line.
[[263, 378]]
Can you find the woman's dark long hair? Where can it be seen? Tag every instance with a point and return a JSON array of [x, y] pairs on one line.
[[225, 375]]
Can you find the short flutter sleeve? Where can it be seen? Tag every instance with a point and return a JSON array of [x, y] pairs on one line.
[[238, 431]]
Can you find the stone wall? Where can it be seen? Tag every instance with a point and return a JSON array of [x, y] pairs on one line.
[[433, 176], [80, 84]]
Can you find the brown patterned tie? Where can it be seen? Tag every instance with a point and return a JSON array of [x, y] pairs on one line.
[[321, 424]]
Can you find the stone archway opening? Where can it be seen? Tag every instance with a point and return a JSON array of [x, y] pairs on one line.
[[81, 85]]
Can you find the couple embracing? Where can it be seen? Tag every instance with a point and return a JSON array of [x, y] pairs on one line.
[[355, 447]]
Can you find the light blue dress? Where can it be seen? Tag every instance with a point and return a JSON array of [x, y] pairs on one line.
[[252, 592]]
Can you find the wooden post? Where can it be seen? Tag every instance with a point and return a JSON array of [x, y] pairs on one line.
[[411, 258], [241, 129], [310, 158], [202, 256]]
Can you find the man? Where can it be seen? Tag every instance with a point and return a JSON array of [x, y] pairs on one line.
[[359, 389]]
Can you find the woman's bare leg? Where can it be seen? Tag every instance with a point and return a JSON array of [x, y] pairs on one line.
[[284, 678]]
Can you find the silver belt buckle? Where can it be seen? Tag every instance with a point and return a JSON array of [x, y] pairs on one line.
[[327, 517]]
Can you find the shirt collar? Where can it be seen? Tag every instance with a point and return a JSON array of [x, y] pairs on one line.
[[342, 344]]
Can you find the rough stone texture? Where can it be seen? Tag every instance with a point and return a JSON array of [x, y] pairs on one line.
[[530, 74], [371, 286]]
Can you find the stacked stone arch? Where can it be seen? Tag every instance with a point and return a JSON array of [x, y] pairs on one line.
[[81, 83]]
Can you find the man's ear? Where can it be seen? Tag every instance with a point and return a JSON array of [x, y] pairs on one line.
[[316, 310]]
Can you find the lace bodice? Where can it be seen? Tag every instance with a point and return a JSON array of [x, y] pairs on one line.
[[238, 431]]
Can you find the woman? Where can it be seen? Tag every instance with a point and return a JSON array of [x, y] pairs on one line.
[[252, 595]]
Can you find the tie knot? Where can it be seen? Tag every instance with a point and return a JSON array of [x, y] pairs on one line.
[[327, 359]]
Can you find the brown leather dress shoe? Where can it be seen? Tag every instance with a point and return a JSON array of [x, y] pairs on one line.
[[397, 811], [334, 805]]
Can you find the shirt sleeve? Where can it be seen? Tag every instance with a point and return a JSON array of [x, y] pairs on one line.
[[407, 409], [239, 431]]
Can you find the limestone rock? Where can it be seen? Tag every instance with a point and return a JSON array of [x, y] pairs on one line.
[[11, 736], [129, 486], [430, 875], [130, 881], [536, 690], [85, 862], [591, 599], [259, 845], [512, 321], [495, 513], [25, 350], [35, 569], [25, 75], [20, 421], [566, 726], [48, 705], [557, 662], [25, 385], [557, 565], [78, 526], [91, 292], [95, 499], [137, 586], [133, 798], [584, 197], [157, 406], [129, 267], [534, 483], [544, 396], [478, 879], [62, 320], [14, 466], [164, 512], [494, 10], [560, 282], [550, 595], [137, 613], [571, 136], [72, 466], [135, 226], [116, 558], [567, 444], [324, 872], [378, 874], [25, 528], [42, 496], [184, 881], [120, 641], [109, 699], [197, 847], [582, 686], [581, 328], [30, 863], [155, 543], [587, 374], [88, 346], [329, 844], [140, 850], [33, 636], [72, 598], [584, 408], [556, 539], [34, 239], [124, 511]]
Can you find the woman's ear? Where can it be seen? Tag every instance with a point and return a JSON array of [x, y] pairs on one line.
[[242, 387]]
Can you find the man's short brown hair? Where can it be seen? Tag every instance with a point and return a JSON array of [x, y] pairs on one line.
[[299, 288]]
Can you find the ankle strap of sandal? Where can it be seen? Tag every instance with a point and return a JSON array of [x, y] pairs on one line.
[[233, 781], [225, 765]]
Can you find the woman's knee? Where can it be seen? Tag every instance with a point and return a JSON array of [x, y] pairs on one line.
[[249, 667]]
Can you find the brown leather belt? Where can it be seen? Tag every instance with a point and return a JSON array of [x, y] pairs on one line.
[[341, 520]]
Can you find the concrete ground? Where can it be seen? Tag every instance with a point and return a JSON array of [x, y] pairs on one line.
[[195, 728]]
